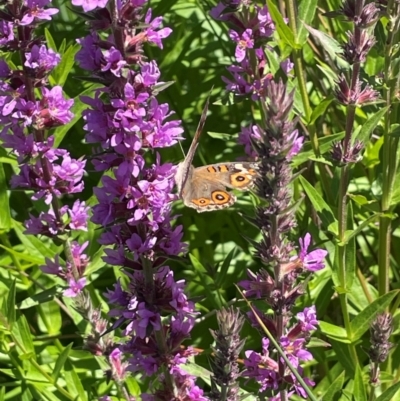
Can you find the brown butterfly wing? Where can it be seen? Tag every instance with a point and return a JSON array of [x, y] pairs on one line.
[[235, 175]]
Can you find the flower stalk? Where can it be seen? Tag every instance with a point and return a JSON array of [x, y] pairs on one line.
[[273, 142]]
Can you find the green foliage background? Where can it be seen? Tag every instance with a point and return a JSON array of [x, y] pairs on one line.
[[195, 57]]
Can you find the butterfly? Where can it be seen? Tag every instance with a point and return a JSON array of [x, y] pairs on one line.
[[204, 188]]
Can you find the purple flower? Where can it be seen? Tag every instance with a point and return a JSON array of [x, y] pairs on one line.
[[114, 61], [287, 66], [75, 287], [89, 5], [150, 73], [261, 367], [6, 32], [312, 261], [118, 368], [35, 9], [295, 350], [266, 25], [55, 109], [244, 42], [25, 111], [308, 319], [247, 136], [143, 318], [90, 56], [45, 224], [42, 58], [151, 33], [79, 216], [297, 143], [140, 247], [52, 267]]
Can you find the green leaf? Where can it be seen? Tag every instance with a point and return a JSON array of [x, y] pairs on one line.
[[371, 154], [33, 245], [335, 332], [197, 371], [207, 282], [74, 383], [273, 60], [395, 198], [305, 17], [42, 297], [361, 323], [224, 269], [62, 358], [329, 44], [60, 74], [23, 256], [157, 88], [322, 208], [350, 252], [389, 394], [22, 337], [344, 356], [219, 135], [359, 388], [49, 40], [5, 216], [370, 125], [335, 388], [50, 320], [320, 109], [350, 234], [10, 310], [284, 32]]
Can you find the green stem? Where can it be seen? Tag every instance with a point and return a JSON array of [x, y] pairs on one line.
[[389, 166], [297, 57]]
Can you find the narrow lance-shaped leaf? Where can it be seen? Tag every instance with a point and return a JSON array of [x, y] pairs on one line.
[[359, 388], [322, 208], [361, 323]]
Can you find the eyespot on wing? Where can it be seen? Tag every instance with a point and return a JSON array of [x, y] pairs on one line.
[[201, 202], [221, 197], [241, 180]]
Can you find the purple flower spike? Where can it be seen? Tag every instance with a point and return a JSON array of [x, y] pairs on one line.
[[312, 261]]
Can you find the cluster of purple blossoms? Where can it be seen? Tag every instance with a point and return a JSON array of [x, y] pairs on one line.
[[251, 31], [349, 91], [126, 121], [44, 170], [273, 142], [265, 370]]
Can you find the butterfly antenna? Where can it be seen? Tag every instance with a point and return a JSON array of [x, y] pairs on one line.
[[200, 126]]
